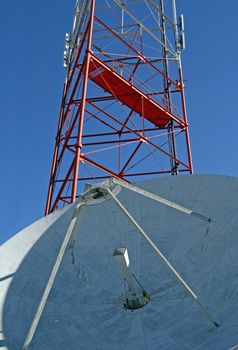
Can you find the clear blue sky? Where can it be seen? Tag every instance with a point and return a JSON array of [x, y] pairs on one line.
[[32, 43]]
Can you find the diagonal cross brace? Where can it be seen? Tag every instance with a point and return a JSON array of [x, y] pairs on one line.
[[166, 262], [161, 200], [73, 223]]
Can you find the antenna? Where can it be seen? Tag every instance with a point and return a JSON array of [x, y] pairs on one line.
[[123, 110], [127, 270]]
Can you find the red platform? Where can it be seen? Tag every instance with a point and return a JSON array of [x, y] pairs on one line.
[[128, 94]]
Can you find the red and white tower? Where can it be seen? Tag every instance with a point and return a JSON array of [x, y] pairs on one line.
[[123, 111]]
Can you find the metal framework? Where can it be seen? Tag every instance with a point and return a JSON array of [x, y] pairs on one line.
[[123, 111]]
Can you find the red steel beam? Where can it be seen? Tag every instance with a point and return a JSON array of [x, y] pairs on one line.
[[144, 139], [74, 142], [80, 127]]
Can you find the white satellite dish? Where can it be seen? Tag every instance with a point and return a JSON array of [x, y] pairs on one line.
[[88, 276]]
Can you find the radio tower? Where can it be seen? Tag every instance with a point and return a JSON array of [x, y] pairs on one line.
[[123, 110]]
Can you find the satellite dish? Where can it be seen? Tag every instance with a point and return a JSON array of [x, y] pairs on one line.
[[111, 289]]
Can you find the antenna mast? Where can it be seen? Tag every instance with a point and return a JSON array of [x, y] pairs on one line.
[[123, 110]]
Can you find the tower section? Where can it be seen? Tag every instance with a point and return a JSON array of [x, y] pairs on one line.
[[123, 111]]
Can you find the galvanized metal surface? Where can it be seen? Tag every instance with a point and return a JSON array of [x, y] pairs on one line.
[[85, 306]]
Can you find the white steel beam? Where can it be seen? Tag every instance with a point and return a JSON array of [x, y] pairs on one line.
[[50, 282], [123, 7], [164, 260], [161, 200]]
